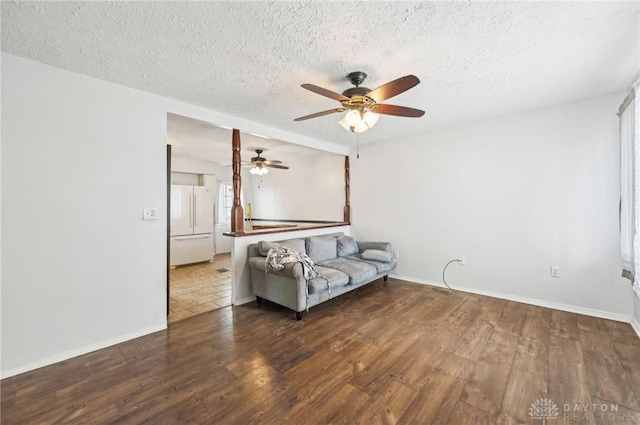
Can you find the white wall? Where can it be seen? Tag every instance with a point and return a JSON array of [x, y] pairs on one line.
[[80, 266], [312, 189], [81, 270], [515, 195]]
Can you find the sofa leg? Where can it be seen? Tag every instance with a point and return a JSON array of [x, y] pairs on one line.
[[299, 315], [386, 277], [259, 300]]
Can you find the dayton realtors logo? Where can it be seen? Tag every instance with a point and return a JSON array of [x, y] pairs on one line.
[[601, 412], [544, 409]]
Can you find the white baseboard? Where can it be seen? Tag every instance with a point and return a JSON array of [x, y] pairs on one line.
[[532, 301], [636, 326], [244, 301], [79, 351]]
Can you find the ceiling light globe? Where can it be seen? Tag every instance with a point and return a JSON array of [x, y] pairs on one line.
[[371, 118], [353, 118], [361, 127], [343, 123]]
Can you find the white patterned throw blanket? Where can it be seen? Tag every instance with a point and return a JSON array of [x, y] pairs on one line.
[[278, 256]]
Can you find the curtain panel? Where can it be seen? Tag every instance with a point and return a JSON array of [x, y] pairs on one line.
[[630, 188]]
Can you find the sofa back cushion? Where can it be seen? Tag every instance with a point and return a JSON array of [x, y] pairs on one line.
[[347, 246], [322, 248], [293, 244]]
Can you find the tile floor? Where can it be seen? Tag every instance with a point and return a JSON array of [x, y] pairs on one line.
[[199, 288]]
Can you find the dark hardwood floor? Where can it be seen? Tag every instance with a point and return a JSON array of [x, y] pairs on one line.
[[396, 354]]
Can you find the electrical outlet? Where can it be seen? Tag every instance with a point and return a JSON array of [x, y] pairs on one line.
[[396, 254], [555, 271], [149, 213], [461, 261]]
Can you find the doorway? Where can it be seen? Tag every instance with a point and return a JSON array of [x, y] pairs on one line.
[[199, 274], [199, 267]]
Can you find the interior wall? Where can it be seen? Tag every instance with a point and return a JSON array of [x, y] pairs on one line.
[[311, 189], [514, 195], [80, 266], [81, 270]]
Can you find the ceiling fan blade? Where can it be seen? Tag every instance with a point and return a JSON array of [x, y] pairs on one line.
[[282, 167], [275, 161], [324, 92], [319, 114], [393, 88], [401, 111]]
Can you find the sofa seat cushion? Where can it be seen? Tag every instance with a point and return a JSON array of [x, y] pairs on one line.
[[329, 279], [358, 271], [381, 267]]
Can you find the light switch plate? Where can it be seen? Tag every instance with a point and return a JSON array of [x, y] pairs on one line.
[[149, 213]]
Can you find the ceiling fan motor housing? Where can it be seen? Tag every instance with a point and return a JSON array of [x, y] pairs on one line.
[[258, 158], [357, 77], [357, 95], [356, 91]]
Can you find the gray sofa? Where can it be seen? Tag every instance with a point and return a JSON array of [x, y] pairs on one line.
[[343, 264]]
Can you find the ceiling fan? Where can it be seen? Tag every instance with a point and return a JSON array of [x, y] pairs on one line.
[[362, 102], [259, 164]]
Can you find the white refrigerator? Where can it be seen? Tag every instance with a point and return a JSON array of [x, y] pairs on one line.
[[191, 224]]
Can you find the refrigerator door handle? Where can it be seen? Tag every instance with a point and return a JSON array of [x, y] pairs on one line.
[[191, 237], [195, 210], [191, 210]]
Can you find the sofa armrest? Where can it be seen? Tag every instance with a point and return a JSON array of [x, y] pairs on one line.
[[291, 270], [380, 246], [257, 263], [286, 287]]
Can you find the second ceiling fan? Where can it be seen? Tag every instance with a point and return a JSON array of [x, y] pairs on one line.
[[362, 102], [260, 164]]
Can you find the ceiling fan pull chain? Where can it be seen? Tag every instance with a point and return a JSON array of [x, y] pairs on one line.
[[357, 145]]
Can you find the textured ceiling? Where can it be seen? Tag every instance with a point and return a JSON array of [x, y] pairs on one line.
[[248, 59]]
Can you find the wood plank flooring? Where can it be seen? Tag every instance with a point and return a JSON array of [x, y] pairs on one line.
[[399, 353], [199, 288]]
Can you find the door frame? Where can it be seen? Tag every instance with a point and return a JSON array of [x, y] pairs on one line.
[[168, 226]]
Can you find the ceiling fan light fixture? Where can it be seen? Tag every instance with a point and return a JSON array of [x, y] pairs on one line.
[[357, 122], [258, 170]]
